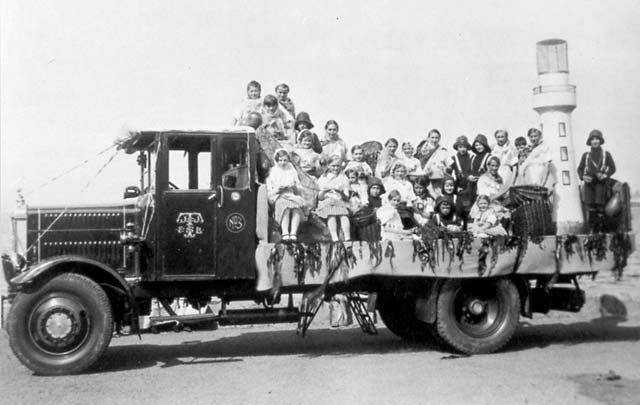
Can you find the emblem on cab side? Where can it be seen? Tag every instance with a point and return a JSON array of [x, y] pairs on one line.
[[190, 224], [235, 222]]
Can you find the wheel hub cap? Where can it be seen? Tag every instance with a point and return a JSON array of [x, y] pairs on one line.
[[476, 307], [59, 324]]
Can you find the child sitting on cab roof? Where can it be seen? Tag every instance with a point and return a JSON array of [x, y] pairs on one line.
[[253, 103]]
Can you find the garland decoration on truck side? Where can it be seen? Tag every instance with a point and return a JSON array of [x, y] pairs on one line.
[[620, 246], [596, 246]]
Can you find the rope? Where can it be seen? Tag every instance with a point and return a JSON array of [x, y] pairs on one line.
[[83, 189], [59, 176]]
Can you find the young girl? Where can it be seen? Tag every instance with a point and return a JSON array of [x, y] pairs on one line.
[[357, 162], [376, 189], [387, 158], [332, 145], [305, 157], [278, 122], [333, 199], [359, 189], [445, 218], [411, 163], [424, 204], [283, 190], [398, 181], [392, 225], [253, 103], [486, 222]]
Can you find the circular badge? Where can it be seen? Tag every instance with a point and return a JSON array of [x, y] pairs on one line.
[[235, 222]]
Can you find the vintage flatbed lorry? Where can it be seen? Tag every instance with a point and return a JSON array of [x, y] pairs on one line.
[[198, 226]]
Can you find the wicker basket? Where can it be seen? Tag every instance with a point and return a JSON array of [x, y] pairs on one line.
[[365, 225]]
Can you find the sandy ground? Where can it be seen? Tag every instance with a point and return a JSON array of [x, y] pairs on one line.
[[557, 358]]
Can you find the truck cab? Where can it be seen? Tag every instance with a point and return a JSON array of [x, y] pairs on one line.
[[202, 196]]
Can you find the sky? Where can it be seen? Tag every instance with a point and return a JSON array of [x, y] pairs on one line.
[[76, 75]]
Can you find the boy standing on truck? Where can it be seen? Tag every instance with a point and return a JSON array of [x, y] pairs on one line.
[[465, 180]]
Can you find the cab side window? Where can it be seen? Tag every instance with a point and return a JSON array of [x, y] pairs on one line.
[[235, 163]]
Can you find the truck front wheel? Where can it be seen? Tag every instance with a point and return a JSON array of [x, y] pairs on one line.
[[477, 316], [63, 327]]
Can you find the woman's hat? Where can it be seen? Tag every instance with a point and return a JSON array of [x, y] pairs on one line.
[[447, 177], [443, 199], [461, 140], [483, 140], [595, 134], [374, 181], [303, 117]]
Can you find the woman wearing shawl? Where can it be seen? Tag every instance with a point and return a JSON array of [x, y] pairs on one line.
[[434, 159]]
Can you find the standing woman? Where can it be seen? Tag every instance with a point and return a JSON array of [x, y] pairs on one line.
[[332, 144], [434, 159], [283, 190], [387, 158], [536, 169], [596, 166], [491, 182]]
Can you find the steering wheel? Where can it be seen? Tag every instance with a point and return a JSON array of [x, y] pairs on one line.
[[173, 186]]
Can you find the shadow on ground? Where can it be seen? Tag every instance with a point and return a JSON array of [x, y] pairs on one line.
[[601, 329], [203, 347], [318, 342]]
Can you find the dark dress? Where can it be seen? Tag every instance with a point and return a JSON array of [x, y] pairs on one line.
[[592, 163], [462, 166]]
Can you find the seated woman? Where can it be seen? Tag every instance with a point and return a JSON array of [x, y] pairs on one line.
[[491, 184], [333, 199], [486, 222], [399, 182], [283, 191], [392, 226]]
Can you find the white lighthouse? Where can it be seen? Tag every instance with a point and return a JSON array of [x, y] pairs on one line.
[[554, 99]]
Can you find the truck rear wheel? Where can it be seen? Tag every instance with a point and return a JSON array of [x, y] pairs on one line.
[[477, 316], [63, 327], [399, 316]]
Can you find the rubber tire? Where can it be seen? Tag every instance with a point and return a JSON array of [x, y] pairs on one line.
[[499, 331], [97, 309], [398, 315]]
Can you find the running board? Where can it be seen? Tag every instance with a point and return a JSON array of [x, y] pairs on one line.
[[235, 317]]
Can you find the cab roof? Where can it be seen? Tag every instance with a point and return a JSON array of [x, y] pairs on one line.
[[142, 140]]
